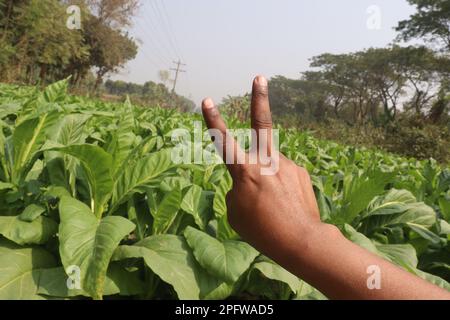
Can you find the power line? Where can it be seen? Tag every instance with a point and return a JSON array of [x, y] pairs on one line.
[[164, 27], [148, 20], [171, 30], [177, 72], [157, 53]]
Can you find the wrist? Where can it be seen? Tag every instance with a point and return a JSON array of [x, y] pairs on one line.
[[298, 249]]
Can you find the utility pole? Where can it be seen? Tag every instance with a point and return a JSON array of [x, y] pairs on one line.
[[177, 72]]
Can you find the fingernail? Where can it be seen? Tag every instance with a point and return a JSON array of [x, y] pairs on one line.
[[260, 80], [208, 103]]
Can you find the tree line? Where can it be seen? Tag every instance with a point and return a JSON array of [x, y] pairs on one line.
[[150, 94], [379, 85], [373, 85], [38, 47], [396, 98]]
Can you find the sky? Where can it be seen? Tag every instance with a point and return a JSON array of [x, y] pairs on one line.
[[225, 43]]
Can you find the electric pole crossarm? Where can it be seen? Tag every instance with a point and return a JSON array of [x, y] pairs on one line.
[[177, 70]]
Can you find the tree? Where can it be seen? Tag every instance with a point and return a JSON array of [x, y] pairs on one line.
[[430, 22], [116, 14], [109, 48]]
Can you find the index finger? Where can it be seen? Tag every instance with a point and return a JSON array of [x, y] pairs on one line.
[[261, 115], [232, 154]]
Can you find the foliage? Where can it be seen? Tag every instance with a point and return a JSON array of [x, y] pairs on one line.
[[92, 185], [371, 86], [150, 93], [430, 22], [39, 47]]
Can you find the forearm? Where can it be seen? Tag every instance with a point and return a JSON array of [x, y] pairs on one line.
[[338, 268]]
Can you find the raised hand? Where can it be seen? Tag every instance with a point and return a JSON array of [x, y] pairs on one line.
[[271, 210], [273, 207]]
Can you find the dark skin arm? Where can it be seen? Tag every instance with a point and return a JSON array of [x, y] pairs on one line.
[[279, 216]]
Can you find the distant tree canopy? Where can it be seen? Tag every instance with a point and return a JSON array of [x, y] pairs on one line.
[[431, 22], [367, 86], [150, 93], [37, 46]]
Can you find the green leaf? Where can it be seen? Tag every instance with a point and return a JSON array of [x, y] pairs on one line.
[[21, 270], [165, 212], [224, 230], [145, 173], [219, 203], [170, 258], [6, 186], [402, 254], [56, 92], [397, 207], [424, 233], [97, 167], [27, 139], [89, 243], [122, 140], [395, 201], [360, 239], [359, 191], [69, 130], [53, 283], [274, 272], [32, 212], [39, 231], [196, 203], [444, 204], [226, 260]]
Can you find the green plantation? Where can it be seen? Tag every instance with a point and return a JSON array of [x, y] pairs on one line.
[[91, 206]]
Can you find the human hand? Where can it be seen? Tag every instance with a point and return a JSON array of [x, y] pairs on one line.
[[275, 213]]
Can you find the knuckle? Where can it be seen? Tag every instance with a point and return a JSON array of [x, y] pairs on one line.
[[261, 92], [303, 171], [264, 122]]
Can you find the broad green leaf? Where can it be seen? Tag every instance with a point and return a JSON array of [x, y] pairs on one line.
[[403, 254], [70, 129], [397, 207], [56, 92], [226, 260], [307, 292], [122, 140], [170, 258], [445, 227], [170, 183], [395, 201], [224, 230], [135, 179], [53, 283], [89, 243], [97, 167], [6, 186], [359, 191], [39, 231], [21, 270], [424, 232], [139, 215], [27, 139], [32, 212], [165, 212], [219, 204], [273, 271], [196, 203], [444, 204]]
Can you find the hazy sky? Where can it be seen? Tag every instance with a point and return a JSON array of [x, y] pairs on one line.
[[225, 43]]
